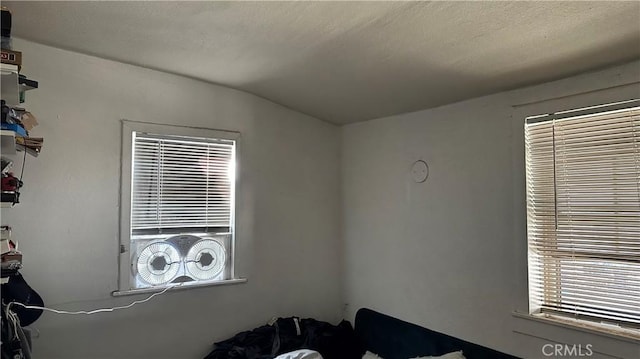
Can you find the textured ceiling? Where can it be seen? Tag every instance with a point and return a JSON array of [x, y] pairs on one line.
[[347, 61]]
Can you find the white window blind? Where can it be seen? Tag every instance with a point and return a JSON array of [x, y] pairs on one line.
[[583, 207], [180, 182]]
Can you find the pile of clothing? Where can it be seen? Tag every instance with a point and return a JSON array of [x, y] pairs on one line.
[[16, 340], [289, 334]]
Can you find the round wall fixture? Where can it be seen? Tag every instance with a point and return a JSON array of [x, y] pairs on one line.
[[419, 171]]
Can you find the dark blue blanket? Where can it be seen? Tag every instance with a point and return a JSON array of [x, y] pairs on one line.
[[393, 338]]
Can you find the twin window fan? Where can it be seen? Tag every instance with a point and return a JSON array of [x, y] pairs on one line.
[[178, 259]]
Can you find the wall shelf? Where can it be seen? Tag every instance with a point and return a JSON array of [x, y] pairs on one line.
[[10, 87], [14, 85], [8, 141], [9, 145]]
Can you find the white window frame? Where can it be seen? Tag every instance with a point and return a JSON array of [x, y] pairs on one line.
[[125, 286], [584, 323]]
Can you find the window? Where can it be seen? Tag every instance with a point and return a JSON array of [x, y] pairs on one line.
[[583, 213], [178, 206]]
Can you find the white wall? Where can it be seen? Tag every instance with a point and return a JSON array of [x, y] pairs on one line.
[[450, 253], [67, 224]]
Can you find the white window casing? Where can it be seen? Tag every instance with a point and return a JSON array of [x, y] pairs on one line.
[[583, 213], [177, 207]]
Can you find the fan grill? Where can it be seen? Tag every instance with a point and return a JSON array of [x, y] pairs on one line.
[[158, 263], [206, 259]]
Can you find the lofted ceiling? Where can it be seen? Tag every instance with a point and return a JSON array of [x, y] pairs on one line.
[[347, 61]]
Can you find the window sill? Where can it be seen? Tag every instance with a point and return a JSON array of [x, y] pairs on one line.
[[610, 331], [120, 293]]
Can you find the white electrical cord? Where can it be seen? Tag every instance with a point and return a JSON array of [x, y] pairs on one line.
[[13, 318], [95, 311]]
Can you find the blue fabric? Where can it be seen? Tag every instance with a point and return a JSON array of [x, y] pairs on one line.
[[393, 338]]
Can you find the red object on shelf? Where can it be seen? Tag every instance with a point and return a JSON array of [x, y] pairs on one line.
[[10, 183]]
